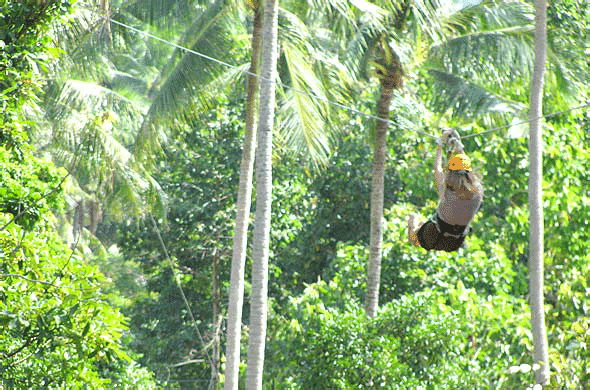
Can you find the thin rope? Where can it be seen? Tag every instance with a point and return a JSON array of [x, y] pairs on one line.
[[527, 121], [175, 275], [247, 72]]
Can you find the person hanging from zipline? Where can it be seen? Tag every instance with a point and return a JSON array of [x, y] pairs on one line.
[[460, 194]]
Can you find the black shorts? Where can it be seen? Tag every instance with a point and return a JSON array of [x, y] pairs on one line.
[[430, 238]]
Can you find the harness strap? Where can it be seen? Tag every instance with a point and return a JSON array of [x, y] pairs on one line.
[[435, 220]]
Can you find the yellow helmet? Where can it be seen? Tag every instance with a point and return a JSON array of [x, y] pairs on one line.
[[460, 162]]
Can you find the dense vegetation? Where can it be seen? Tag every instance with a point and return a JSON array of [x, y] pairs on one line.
[[59, 329], [120, 160]]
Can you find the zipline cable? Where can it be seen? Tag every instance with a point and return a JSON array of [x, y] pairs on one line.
[[259, 77], [527, 121], [339, 105]]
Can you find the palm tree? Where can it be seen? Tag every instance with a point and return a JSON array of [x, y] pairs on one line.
[[540, 354], [379, 39], [82, 131], [85, 124], [390, 78], [446, 46], [236, 293], [256, 341], [299, 132], [179, 92]]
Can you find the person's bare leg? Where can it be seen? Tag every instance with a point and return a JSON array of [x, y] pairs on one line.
[[413, 228]]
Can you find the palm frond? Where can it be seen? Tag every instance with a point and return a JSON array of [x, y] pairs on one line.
[[498, 56], [494, 14], [359, 51], [82, 21], [63, 98], [191, 36], [304, 109], [82, 137], [466, 99], [137, 193], [189, 77], [84, 41], [374, 11], [564, 75], [399, 25], [340, 15], [489, 15], [192, 73], [490, 41], [229, 83], [292, 29], [97, 45], [426, 18], [102, 167], [336, 80], [163, 12]]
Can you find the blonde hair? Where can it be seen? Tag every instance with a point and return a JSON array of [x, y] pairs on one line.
[[464, 183]]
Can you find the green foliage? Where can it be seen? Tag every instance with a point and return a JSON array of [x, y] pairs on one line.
[[345, 352], [483, 266], [200, 177], [28, 190], [316, 346], [335, 207], [409, 343], [456, 320], [447, 321], [570, 41], [57, 329], [24, 53]]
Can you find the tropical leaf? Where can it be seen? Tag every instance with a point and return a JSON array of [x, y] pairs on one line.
[[62, 98], [426, 17], [292, 30], [195, 32], [491, 41], [304, 109], [305, 105], [88, 128], [467, 99], [104, 169], [163, 12], [499, 57], [562, 81], [339, 14], [360, 51], [180, 82]]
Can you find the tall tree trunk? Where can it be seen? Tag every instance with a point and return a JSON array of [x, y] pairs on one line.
[[390, 72], [236, 293], [540, 354], [377, 190], [258, 314], [216, 322]]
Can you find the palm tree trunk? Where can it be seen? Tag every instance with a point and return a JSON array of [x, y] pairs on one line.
[[258, 308], [377, 189], [215, 358], [540, 354], [236, 293]]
